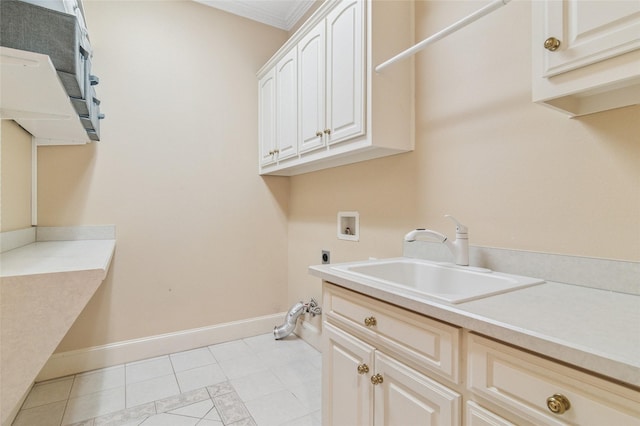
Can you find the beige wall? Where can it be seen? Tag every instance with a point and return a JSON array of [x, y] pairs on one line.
[[521, 176], [15, 177], [201, 238]]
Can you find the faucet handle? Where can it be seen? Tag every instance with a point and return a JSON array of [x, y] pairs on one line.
[[460, 228]]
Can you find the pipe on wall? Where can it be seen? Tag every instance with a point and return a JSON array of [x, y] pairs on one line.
[[285, 329]]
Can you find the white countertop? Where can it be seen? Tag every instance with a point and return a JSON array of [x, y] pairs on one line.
[[45, 287], [57, 256], [593, 329]]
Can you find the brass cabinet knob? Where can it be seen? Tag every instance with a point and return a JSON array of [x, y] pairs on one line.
[[370, 321], [363, 369], [327, 131], [558, 403], [551, 44], [318, 133], [376, 379], [271, 152]]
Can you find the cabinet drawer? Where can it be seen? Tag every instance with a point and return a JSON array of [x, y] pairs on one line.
[[425, 344], [522, 383]]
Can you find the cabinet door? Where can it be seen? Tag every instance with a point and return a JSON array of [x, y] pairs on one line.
[[347, 392], [406, 397], [589, 31], [345, 71], [311, 80], [267, 117], [287, 106]]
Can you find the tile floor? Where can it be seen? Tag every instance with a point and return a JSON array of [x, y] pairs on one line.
[[254, 381]]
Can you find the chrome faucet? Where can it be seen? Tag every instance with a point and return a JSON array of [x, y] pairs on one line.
[[459, 248]]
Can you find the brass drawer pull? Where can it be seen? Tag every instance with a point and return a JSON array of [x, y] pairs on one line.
[[558, 403], [318, 133], [370, 321], [363, 369], [327, 131], [376, 379], [551, 44]]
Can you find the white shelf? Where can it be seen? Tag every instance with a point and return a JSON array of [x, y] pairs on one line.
[[33, 96]]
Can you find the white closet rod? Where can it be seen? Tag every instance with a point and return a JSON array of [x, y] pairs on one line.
[[443, 33]]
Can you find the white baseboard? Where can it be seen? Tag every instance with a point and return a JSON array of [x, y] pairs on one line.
[[87, 359], [310, 333]]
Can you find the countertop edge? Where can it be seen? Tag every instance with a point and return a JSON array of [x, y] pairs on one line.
[[596, 361], [98, 258]]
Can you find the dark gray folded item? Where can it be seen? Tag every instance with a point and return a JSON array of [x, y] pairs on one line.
[[91, 121], [26, 26], [81, 105], [71, 83], [33, 28]]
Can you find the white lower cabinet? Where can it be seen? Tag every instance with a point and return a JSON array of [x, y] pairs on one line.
[[376, 358], [347, 364], [535, 390], [404, 397], [365, 386], [478, 416], [384, 365]]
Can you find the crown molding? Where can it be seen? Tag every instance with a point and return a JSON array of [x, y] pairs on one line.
[[283, 14]]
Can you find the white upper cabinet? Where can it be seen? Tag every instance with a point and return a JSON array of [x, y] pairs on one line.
[[311, 51], [286, 106], [586, 54], [332, 78], [590, 31], [267, 117], [344, 112], [277, 118], [345, 69]]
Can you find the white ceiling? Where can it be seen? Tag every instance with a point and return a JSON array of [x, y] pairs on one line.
[[281, 14]]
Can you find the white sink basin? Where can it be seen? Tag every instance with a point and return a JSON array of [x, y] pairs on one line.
[[448, 282]]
